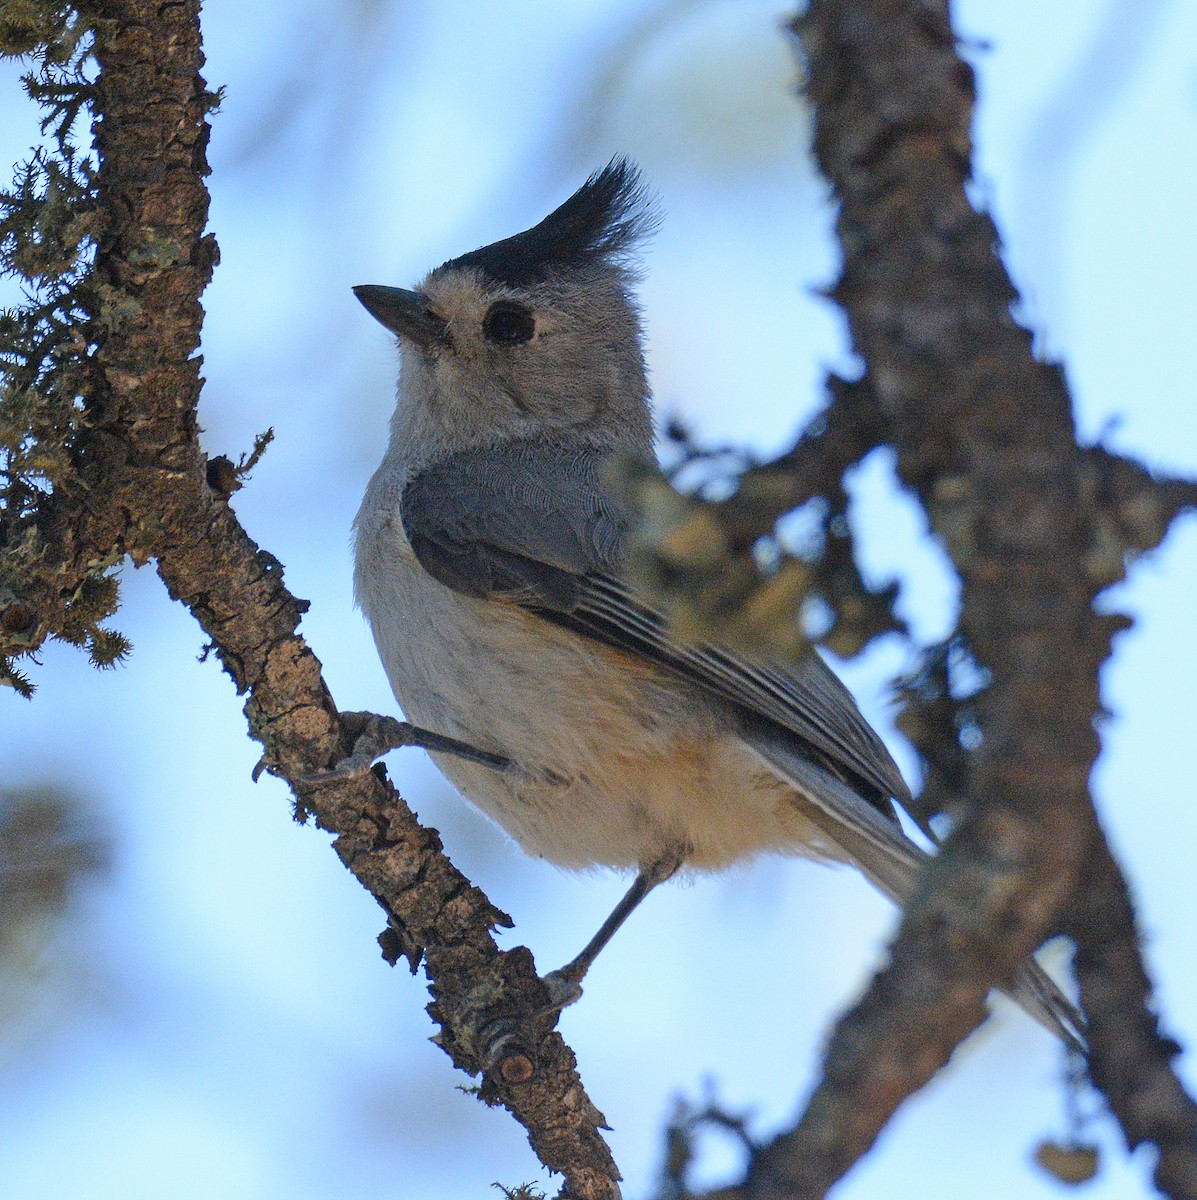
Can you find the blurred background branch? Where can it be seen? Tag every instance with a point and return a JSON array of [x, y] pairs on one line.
[[1037, 527], [54, 849]]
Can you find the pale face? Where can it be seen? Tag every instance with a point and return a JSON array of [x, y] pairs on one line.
[[563, 354]]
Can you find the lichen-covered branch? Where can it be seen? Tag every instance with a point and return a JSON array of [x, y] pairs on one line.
[[138, 485], [48, 230]]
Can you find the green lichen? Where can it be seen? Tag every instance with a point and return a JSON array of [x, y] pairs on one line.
[[44, 31], [49, 226]]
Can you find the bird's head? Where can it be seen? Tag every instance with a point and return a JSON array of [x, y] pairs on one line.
[[537, 335]]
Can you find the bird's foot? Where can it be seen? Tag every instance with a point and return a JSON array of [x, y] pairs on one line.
[[375, 735], [564, 987]]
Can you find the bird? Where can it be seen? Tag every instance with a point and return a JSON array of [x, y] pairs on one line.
[[489, 553]]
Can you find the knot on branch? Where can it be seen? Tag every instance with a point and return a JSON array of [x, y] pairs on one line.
[[225, 477], [497, 1016]]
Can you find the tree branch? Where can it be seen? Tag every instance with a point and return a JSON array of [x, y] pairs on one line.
[[1131, 1058], [984, 436], [142, 490]]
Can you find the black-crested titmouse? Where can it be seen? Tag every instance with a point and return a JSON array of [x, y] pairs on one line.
[[488, 556]]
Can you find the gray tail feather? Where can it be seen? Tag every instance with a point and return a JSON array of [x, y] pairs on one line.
[[1037, 994], [891, 860]]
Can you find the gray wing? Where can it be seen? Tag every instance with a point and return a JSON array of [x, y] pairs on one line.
[[534, 524], [497, 522]]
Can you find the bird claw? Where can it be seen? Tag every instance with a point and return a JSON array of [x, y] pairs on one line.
[[564, 989], [376, 735], [373, 736]]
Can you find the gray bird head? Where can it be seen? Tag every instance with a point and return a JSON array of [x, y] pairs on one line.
[[537, 335]]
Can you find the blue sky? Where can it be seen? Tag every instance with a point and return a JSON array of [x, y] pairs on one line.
[[215, 1019]]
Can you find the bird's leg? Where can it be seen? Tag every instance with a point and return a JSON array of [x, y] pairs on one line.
[[374, 735], [565, 984]]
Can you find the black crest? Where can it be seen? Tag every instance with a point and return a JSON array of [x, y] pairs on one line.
[[603, 219]]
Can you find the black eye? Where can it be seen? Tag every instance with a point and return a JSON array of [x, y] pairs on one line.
[[508, 323]]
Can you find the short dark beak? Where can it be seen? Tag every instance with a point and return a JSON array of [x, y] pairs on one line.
[[404, 313]]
